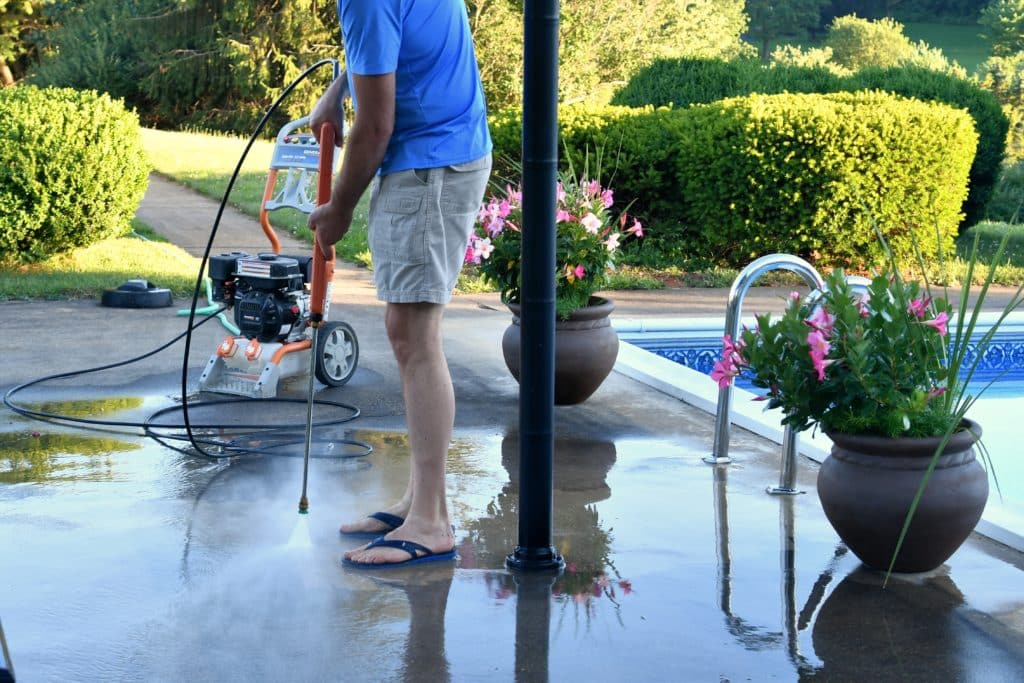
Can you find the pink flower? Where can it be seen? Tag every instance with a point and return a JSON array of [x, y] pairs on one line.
[[591, 222], [470, 254], [919, 307], [606, 198], [820, 364], [818, 343], [612, 243], [819, 349], [626, 585], [724, 371], [560, 193], [939, 323], [636, 229], [483, 248], [938, 391], [822, 321], [579, 272], [563, 216], [732, 349]]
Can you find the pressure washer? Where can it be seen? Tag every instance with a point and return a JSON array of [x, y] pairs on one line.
[[279, 301]]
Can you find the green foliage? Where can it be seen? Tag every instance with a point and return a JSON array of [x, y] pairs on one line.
[[990, 235], [1007, 203], [72, 170], [872, 366], [792, 173], [1004, 77], [601, 43], [805, 174], [771, 20], [1004, 21], [685, 82], [989, 120], [814, 57], [205, 64], [17, 18], [859, 43]]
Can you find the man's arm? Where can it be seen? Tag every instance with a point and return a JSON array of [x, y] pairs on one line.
[[364, 150]]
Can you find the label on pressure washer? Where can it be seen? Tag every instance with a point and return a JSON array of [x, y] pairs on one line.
[[296, 151]]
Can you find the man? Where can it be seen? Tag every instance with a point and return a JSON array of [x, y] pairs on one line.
[[421, 128]]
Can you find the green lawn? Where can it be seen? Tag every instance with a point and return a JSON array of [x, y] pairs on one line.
[[205, 163], [961, 43], [88, 272]]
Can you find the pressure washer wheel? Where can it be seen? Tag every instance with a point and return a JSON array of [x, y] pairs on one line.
[[337, 353]]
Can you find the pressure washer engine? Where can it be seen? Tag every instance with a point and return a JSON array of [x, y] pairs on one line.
[[279, 299], [271, 299]]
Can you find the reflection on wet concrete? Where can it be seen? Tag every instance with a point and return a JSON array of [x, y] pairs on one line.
[[91, 408], [794, 620], [917, 629], [38, 457], [580, 468], [185, 569]]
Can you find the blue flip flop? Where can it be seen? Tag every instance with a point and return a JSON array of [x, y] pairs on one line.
[[392, 522], [418, 554]]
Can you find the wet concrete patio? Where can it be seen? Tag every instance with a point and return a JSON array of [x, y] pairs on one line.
[[125, 560]]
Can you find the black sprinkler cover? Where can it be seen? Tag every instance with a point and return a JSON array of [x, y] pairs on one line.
[[137, 294]]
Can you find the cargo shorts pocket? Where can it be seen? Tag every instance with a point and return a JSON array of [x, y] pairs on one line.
[[399, 230]]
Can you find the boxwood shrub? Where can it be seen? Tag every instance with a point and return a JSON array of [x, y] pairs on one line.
[[685, 81], [796, 173], [810, 174], [72, 170]]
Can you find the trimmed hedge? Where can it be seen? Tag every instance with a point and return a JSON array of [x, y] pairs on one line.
[[807, 175], [801, 174], [990, 122], [72, 170], [684, 82]]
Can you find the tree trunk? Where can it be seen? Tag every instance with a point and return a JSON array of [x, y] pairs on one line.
[[6, 77]]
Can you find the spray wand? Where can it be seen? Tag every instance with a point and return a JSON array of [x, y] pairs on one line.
[[323, 272]]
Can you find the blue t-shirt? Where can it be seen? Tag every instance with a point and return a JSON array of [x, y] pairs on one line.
[[440, 114]]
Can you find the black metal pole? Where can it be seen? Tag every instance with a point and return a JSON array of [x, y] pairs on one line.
[[537, 328]]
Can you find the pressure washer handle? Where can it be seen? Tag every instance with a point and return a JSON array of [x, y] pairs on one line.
[[323, 266]]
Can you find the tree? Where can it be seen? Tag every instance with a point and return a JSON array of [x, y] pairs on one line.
[[603, 42], [1004, 20], [17, 17], [774, 19]]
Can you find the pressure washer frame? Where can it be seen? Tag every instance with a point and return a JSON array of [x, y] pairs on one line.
[[245, 366]]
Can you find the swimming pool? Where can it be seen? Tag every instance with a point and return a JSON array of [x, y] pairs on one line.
[[676, 356]]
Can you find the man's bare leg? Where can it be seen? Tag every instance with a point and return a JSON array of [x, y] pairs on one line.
[[415, 334]]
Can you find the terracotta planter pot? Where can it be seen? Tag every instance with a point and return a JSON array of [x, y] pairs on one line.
[[586, 346], [867, 483]]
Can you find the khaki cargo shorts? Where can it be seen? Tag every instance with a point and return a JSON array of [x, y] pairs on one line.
[[419, 227]]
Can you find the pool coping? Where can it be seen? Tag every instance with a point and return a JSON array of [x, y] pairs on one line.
[[696, 389]]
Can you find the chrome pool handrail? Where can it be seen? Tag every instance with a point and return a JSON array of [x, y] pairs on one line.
[[740, 286]]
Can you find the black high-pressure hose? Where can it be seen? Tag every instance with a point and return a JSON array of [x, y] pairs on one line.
[[285, 434], [213, 234]]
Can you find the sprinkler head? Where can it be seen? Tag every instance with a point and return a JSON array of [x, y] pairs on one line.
[[303, 506]]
